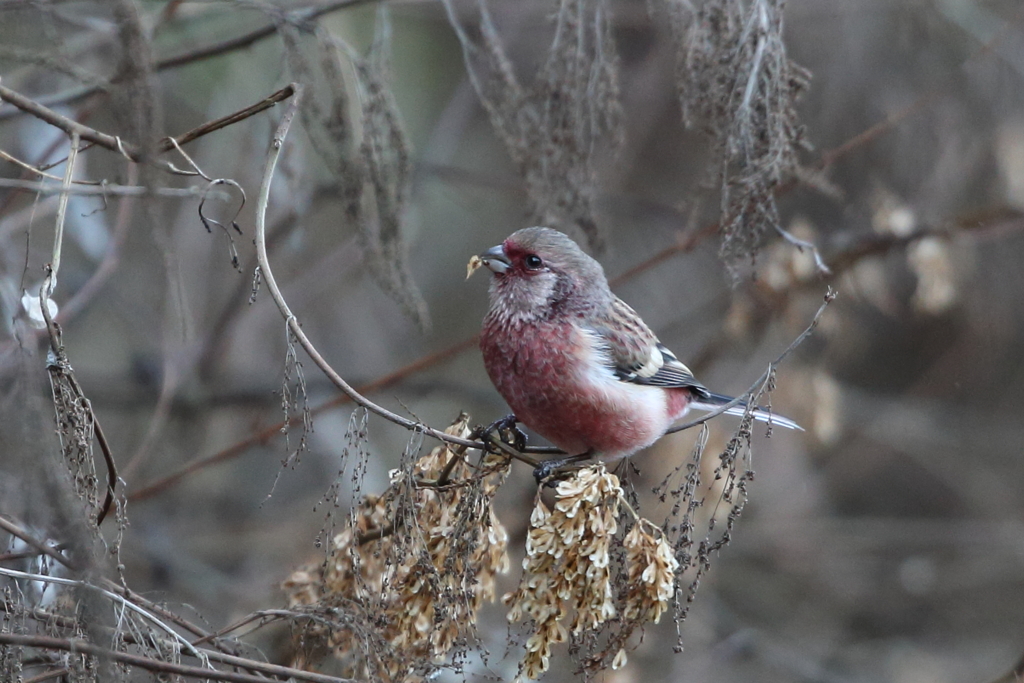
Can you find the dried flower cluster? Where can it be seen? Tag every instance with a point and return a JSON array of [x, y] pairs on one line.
[[419, 561], [369, 155], [652, 566], [568, 569], [553, 126], [737, 82]]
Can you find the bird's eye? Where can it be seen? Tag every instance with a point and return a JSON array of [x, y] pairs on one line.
[[533, 262]]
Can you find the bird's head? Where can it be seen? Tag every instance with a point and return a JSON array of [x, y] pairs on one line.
[[539, 272]]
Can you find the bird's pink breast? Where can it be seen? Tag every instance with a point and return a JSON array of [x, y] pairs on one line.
[[541, 370]]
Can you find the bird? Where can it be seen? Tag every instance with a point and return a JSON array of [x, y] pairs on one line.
[[573, 361]]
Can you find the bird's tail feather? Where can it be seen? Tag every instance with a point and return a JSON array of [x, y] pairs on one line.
[[714, 401]]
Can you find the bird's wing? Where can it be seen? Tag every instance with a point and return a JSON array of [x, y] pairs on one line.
[[635, 355]]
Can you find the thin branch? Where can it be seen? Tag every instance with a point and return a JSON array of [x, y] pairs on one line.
[[272, 669], [38, 171], [804, 244], [872, 133], [47, 675], [158, 666], [225, 121], [45, 617], [69, 126], [255, 616], [108, 459], [254, 36], [131, 151], [128, 594], [58, 239], [94, 188], [45, 292], [754, 389], [264, 616]]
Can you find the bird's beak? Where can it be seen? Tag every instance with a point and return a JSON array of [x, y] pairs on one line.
[[495, 259]]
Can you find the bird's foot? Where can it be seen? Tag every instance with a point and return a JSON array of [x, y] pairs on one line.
[[507, 431], [550, 472]]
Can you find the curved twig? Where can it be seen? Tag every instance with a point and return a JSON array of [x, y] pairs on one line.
[[267, 275]]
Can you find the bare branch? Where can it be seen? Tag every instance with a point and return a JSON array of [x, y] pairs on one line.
[[225, 121], [157, 666], [69, 126], [92, 188], [44, 616], [131, 151]]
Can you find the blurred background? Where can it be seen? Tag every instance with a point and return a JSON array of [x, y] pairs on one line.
[[885, 543]]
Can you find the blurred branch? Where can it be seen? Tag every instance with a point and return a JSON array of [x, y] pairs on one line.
[[270, 432], [299, 16], [69, 126], [874, 244], [107, 266], [159, 666], [222, 47], [16, 531], [1014, 675], [687, 242]]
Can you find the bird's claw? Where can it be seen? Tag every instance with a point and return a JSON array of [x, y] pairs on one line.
[[550, 472], [545, 473], [507, 431]]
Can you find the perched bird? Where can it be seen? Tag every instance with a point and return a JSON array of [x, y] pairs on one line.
[[574, 362]]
